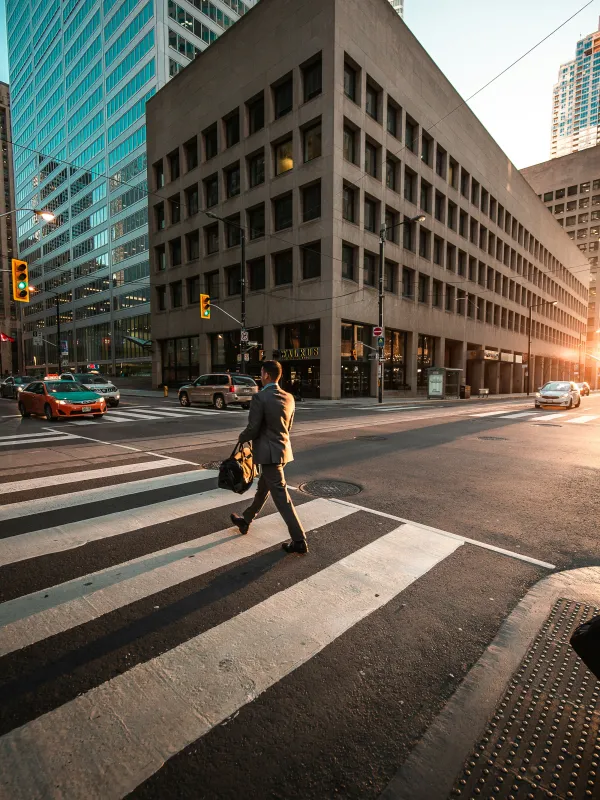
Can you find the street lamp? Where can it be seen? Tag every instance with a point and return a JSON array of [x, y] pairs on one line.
[[537, 305], [242, 283], [382, 239], [47, 216]]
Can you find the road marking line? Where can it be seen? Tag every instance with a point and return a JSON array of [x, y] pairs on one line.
[[34, 617], [42, 505], [26, 436], [129, 416], [583, 419], [205, 412], [89, 475], [76, 534], [129, 447], [395, 408], [464, 539], [519, 415], [550, 416], [489, 413], [35, 440], [109, 740], [155, 413]]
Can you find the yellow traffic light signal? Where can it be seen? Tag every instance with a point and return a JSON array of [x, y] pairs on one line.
[[205, 306], [20, 277]]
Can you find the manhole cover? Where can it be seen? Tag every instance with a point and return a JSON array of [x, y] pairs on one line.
[[330, 488], [547, 425], [211, 465], [543, 739], [372, 438], [493, 438]]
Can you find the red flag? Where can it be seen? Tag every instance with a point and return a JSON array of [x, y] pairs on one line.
[[5, 337]]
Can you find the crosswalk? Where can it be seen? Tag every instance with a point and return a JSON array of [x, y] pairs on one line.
[[40, 437], [99, 554], [568, 417], [146, 413]]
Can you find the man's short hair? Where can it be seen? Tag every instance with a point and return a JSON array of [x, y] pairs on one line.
[[273, 370]]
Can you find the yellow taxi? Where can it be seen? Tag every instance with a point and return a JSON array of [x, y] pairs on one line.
[[54, 399]]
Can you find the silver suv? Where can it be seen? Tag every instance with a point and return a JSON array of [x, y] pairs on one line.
[[220, 389], [95, 383]]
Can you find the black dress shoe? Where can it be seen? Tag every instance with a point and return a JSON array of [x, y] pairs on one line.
[[240, 523], [295, 547]]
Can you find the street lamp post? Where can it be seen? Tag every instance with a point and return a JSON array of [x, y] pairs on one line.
[[538, 305], [382, 240], [47, 216]]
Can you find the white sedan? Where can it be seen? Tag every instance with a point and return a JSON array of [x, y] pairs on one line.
[[564, 394]]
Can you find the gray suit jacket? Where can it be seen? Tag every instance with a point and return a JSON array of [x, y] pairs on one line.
[[269, 424]]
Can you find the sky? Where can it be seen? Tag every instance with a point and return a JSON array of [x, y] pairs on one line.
[[472, 41]]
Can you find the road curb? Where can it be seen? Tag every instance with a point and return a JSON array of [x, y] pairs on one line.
[[434, 765]]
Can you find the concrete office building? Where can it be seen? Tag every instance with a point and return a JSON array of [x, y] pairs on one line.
[[9, 352], [575, 123], [81, 73], [570, 189], [321, 129]]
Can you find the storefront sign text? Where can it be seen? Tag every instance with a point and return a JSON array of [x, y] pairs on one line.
[[298, 353]]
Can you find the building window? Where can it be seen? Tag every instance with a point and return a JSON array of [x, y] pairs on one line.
[[350, 82], [283, 272], [161, 298], [424, 242], [311, 261], [193, 290], [391, 225], [349, 204], [159, 174], [211, 191], [175, 248], [393, 125], [548, 196], [256, 114], [283, 212], [571, 220], [175, 209], [440, 161], [174, 165], [369, 269], [391, 171], [193, 246], [425, 197], [312, 79], [211, 147], [584, 202], [423, 288], [410, 185], [256, 169], [348, 259], [284, 157], [211, 282], [256, 274], [560, 193], [584, 187], [312, 142], [233, 278], [370, 159], [232, 180], [408, 283], [370, 215], [161, 258], [283, 97], [211, 234], [350, 144], [191, 153], [372, 101], [256, 221], [436, 294], [176, 295], [233, 233], [311, 201], [440, 206], [450, 290], [191, 200], [571, 191], [426, 149], [159, 215], [412, 135], [389, 276], [232, 129], [408, 234]]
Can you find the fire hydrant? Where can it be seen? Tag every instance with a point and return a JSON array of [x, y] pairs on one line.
[[166, 390]]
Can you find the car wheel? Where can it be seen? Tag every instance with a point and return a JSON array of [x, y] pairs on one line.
[[48, 413], [22, 411], [570, 406], [578, 403], [219, 402], [184, 400]]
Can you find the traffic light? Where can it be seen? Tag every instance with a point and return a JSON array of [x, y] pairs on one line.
[[20, 276], [205, 306]]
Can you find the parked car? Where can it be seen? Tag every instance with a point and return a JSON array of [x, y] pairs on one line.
[[564, 394], [221, 389], [95, 383], [55, 399], [584, 389], [11, 386]]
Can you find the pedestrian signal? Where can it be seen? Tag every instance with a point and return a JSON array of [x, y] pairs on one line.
[[205, 306], [20, 277]]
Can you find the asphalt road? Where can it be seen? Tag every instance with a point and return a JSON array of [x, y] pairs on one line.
[[148, 650]]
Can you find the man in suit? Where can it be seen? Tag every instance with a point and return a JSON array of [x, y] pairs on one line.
[[269, 425]]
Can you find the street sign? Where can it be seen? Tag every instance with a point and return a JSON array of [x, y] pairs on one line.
[[372, 356], [64, 348], [37, 337], [381, 341], [377, 331], [246, 356], [244, 336]]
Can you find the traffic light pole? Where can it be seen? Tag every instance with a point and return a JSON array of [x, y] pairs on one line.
[[382, 235], [243, 294], [58, 333]]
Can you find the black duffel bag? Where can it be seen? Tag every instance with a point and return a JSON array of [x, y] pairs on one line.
[[238, 471], [586, 643]]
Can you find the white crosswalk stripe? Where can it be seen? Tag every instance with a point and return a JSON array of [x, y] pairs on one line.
[[142, 413], [582, 420], [106, 740], [34, 438]]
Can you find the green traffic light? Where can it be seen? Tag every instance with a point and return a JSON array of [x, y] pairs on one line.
[[22, 285]]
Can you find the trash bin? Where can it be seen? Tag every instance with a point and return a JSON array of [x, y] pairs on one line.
[[465, 392]]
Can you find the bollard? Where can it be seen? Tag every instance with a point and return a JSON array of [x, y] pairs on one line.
[[166, 390]]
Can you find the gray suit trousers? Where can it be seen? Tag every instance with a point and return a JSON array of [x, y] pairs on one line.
[[272, 481]]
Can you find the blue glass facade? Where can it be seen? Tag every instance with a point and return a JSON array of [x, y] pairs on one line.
[[81, 73]]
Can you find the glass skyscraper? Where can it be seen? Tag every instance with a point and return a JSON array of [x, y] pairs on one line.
[[81, 72], [575, 124]]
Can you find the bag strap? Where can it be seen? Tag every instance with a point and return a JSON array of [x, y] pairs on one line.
[[239, 447]]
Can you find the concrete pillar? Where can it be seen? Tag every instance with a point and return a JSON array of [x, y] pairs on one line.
[[493, 376], [411, 362], [476, 375], [518, 380], [204, 353], [331, 358], [537, 373], [547, 370], [440, 352], [506, 370], [157, 365]]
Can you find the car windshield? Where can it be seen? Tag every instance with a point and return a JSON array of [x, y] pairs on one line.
[[61, 387], [239, 380], [91, 379], [556, 386], [19, 379]]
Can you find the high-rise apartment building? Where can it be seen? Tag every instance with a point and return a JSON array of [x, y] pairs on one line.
[[575, 124], [81, 72], [9, 357], [311, 147], [398, 5]]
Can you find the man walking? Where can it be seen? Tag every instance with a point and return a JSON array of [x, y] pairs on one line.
[[269, 425]]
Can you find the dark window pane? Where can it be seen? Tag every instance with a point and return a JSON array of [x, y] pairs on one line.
[[282, 267], [311, 202], [283, 96], [232, 129], [211, 188], [256, 221], [348, 207], [234, 280], [283, 212], [210, 142], [312, 143], [350, 82], [256, 114], [311, 261], [256, 274], [257, 170], [232, 179], [369, 269], [371, 101], [350, 145], [312, 80], [348, 257]]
